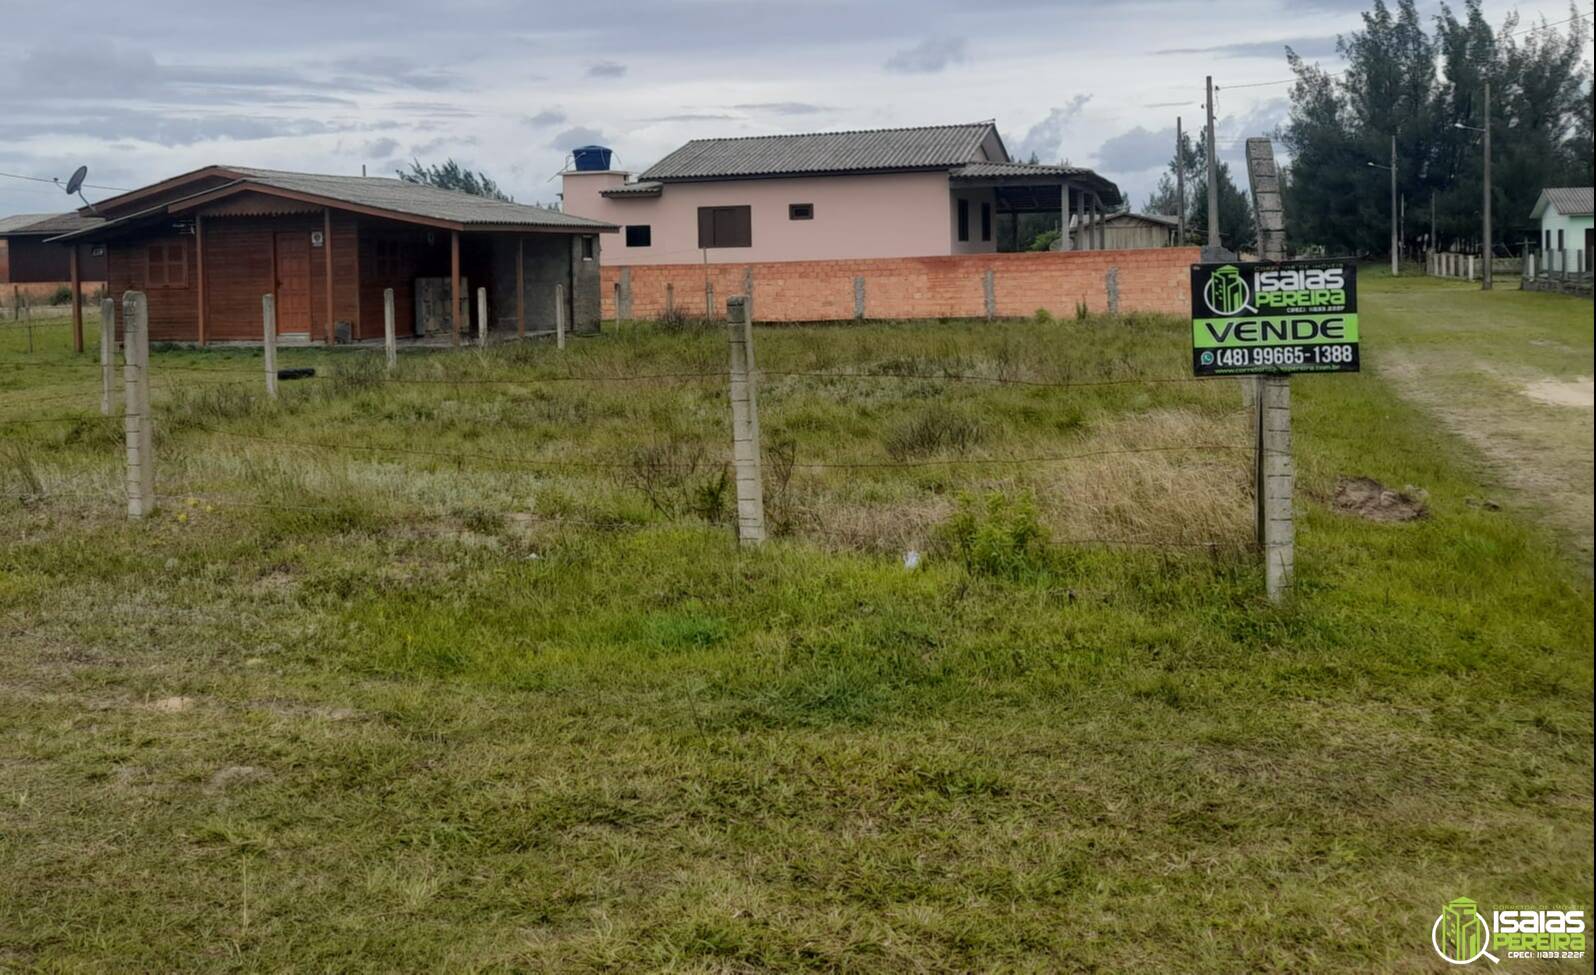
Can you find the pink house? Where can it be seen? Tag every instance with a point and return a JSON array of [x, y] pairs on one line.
[[882, 193]]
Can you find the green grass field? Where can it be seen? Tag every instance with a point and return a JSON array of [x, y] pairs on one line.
[[466, 672]]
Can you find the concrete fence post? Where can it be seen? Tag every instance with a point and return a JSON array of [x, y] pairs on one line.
[[859, 297], [268, 341], [623, 296], [559, 316], [745, 424], [989, 293], [748, 290], [1111, 285], [617, 296], [136, 421], [670, 299], [1471, 267], [482, 318], [107, 353], [709, 299], [390, 340], [1276, 483]]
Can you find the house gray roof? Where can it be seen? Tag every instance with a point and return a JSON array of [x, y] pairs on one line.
[[873, 150], [1570, 201], [397, 196], [45, 224], [372, 192]]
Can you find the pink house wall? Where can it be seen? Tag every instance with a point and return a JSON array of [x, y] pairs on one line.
[[886, 215]]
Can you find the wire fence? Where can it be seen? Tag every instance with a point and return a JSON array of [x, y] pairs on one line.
[[178, 379]]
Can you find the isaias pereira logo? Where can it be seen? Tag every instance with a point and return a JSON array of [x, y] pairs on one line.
[[1461, 935], [1227, 292]]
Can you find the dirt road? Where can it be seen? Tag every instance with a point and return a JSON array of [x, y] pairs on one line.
[[1511, 373]]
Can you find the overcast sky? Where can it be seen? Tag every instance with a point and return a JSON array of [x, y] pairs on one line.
[[143, 89]]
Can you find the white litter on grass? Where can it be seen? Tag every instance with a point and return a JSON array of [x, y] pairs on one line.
[[911, 560]]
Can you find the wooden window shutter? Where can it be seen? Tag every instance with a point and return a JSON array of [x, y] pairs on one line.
[[706, 227]]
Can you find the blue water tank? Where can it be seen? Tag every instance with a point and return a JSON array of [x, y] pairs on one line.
[[591, 159]]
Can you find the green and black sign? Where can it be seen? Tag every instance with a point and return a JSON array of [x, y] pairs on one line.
[[1273, 318]]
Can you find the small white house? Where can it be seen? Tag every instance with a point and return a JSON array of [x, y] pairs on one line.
[[1566, 235]]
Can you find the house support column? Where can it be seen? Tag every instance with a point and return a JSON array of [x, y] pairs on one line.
[[327, 263], [202, 333], [520, 286], [1065, 206], [454, 283], [77, 301]]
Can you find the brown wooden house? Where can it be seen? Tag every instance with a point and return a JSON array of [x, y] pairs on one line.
[[205, 246]]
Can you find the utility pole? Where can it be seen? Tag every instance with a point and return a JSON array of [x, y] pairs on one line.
[[1485, 283], [1395, 247], [1213, 173], [1180, 184], [1396, 268]]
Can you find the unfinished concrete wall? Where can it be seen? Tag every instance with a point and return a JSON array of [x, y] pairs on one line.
[[587, 305]]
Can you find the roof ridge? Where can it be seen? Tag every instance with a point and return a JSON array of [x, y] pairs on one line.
[[805, 135]]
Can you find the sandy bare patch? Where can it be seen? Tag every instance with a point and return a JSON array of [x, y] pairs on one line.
[[1367, 498], [172, 705], [234, 776], [1579, 393]]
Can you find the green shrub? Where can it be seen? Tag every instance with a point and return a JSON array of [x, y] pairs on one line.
[[675, 320], [997, 535], [1044, 317], [934, 429]]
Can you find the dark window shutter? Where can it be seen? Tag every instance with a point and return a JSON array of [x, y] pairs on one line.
[[986, 221], [964, 219], [725, 227]]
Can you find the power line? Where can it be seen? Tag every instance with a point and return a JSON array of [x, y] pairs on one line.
[[55, 181]]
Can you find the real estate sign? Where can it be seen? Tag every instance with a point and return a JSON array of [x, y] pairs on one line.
[[1274, 318]]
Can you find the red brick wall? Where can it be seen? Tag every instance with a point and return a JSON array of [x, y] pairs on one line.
[[1153, 279]]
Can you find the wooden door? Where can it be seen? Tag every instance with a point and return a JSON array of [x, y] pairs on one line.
[[293, 282]]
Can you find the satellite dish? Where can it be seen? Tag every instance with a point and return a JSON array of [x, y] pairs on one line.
[[75, 185]]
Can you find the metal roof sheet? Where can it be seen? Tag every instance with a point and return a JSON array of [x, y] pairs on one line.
[[1570, 201], [926, 147], [640, 188], [998, 172]]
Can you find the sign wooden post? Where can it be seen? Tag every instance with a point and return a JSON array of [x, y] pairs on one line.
[[1270, 319]]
